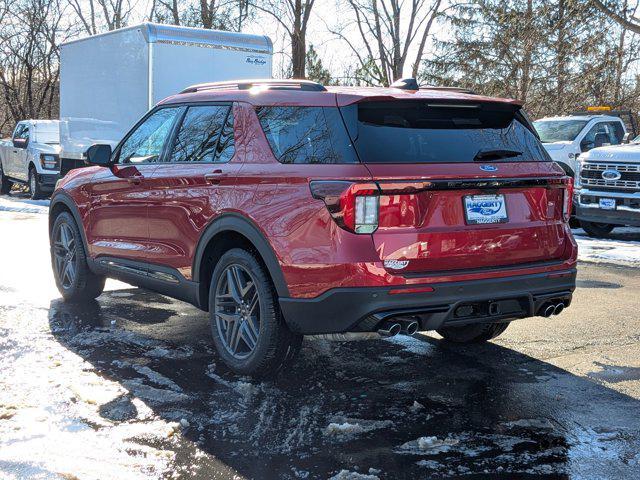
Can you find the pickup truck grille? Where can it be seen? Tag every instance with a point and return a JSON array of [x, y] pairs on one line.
[[591, 176]]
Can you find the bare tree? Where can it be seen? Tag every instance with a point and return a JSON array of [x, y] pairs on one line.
[[629, 22], [213, 14], [96, 16], [391, 33], [293, 16]]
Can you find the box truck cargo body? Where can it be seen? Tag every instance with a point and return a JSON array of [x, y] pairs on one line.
[[108, 81]]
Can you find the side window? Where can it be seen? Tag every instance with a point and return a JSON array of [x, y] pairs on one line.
[[22, 131], [206, 135], [146, 142], [306, 134], [616, 132]]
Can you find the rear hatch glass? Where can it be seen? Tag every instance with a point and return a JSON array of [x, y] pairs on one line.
[[429, 132]]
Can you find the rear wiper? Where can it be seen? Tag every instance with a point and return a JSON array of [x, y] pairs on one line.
[[487, 155]]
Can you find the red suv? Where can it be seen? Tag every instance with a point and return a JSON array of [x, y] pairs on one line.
[[285, 208]]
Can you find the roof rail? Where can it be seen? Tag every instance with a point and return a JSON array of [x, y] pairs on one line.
[[269, 83]]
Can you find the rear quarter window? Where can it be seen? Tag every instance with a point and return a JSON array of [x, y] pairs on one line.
[[312, 135]]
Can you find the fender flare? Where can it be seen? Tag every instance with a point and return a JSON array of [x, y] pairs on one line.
[[60, 197], [242, 225]]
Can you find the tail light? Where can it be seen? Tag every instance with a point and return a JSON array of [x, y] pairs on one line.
[[49, 161], [353, 206]]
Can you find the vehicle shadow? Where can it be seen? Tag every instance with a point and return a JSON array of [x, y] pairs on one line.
[[374, 404]]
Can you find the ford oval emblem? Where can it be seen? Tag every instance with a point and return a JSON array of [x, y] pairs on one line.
[[488, 168], [611, 175]]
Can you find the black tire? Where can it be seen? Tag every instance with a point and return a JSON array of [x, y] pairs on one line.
[[597, 230], [35, 190], [272, 345], [5, 183], [476, 333], [83, 285]]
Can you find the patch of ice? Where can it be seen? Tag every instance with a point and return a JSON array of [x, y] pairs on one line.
[[416, 407], [411, 344], [348, 475], [349, 427]]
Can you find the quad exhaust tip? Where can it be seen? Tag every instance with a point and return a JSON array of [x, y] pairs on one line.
[[393, 328], [389, 329], [551, 309]]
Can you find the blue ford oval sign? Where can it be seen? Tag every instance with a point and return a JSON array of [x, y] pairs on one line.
[[611, 175], [488, 168]]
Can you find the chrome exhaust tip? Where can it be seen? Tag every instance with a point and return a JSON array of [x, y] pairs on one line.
[[408, 327], [548, 310], [558, 309], [389, 329]]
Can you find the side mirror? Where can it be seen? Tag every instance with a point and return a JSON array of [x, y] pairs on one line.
[[626, 138], [585, 146], [99, 155], [20, 142]]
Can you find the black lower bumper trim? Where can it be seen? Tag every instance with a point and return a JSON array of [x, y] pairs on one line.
[[488, 300]]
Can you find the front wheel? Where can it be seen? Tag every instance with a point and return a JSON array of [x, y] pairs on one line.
[[248, 329], [5, 183], [476, 333], [74, 280], [597, 230], [35, 190]]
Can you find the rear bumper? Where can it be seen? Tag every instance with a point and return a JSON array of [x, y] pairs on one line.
[[352, 309]]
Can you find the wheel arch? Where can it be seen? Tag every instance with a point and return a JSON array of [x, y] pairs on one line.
[[61, 202], [232, 230]]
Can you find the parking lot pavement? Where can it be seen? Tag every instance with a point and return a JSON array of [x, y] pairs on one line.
[[130, 387]]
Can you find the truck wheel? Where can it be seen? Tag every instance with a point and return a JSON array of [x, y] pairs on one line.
[[597, 230], [476, 333], [248, 329], [74, 280], [5, 183], [35, 191]]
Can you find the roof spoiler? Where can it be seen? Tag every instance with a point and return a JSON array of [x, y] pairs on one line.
[[412, 84]]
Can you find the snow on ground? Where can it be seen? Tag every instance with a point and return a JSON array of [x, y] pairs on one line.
[[623, 248], [23, 205]]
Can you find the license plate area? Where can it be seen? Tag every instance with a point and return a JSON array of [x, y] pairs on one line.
[[607, 203], [485, 209]]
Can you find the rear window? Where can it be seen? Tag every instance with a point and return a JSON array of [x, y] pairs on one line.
[[432, 132], [306, 134]]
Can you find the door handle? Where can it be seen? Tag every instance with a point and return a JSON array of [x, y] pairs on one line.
[[214, 177]]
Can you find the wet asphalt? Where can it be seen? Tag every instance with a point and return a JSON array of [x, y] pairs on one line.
[[129, 386]]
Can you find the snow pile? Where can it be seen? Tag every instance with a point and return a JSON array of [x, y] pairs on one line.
[[619, 252], [23, 205]]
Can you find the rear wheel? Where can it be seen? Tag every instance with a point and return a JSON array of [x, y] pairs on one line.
[[74, 280], [476, 333], [248, 329], [597, 230], [35, 191], [5, 183]]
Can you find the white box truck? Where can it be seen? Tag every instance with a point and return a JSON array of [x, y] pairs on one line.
[[109, 81]]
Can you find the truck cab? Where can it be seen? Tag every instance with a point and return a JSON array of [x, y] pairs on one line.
[[565, 138], [32, 157]]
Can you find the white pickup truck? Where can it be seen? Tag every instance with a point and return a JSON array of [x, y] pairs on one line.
[[607, 191], [565, 138], [31, 156]]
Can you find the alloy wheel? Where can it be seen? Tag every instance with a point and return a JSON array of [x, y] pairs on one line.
[[237, 311], [64, 251]]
